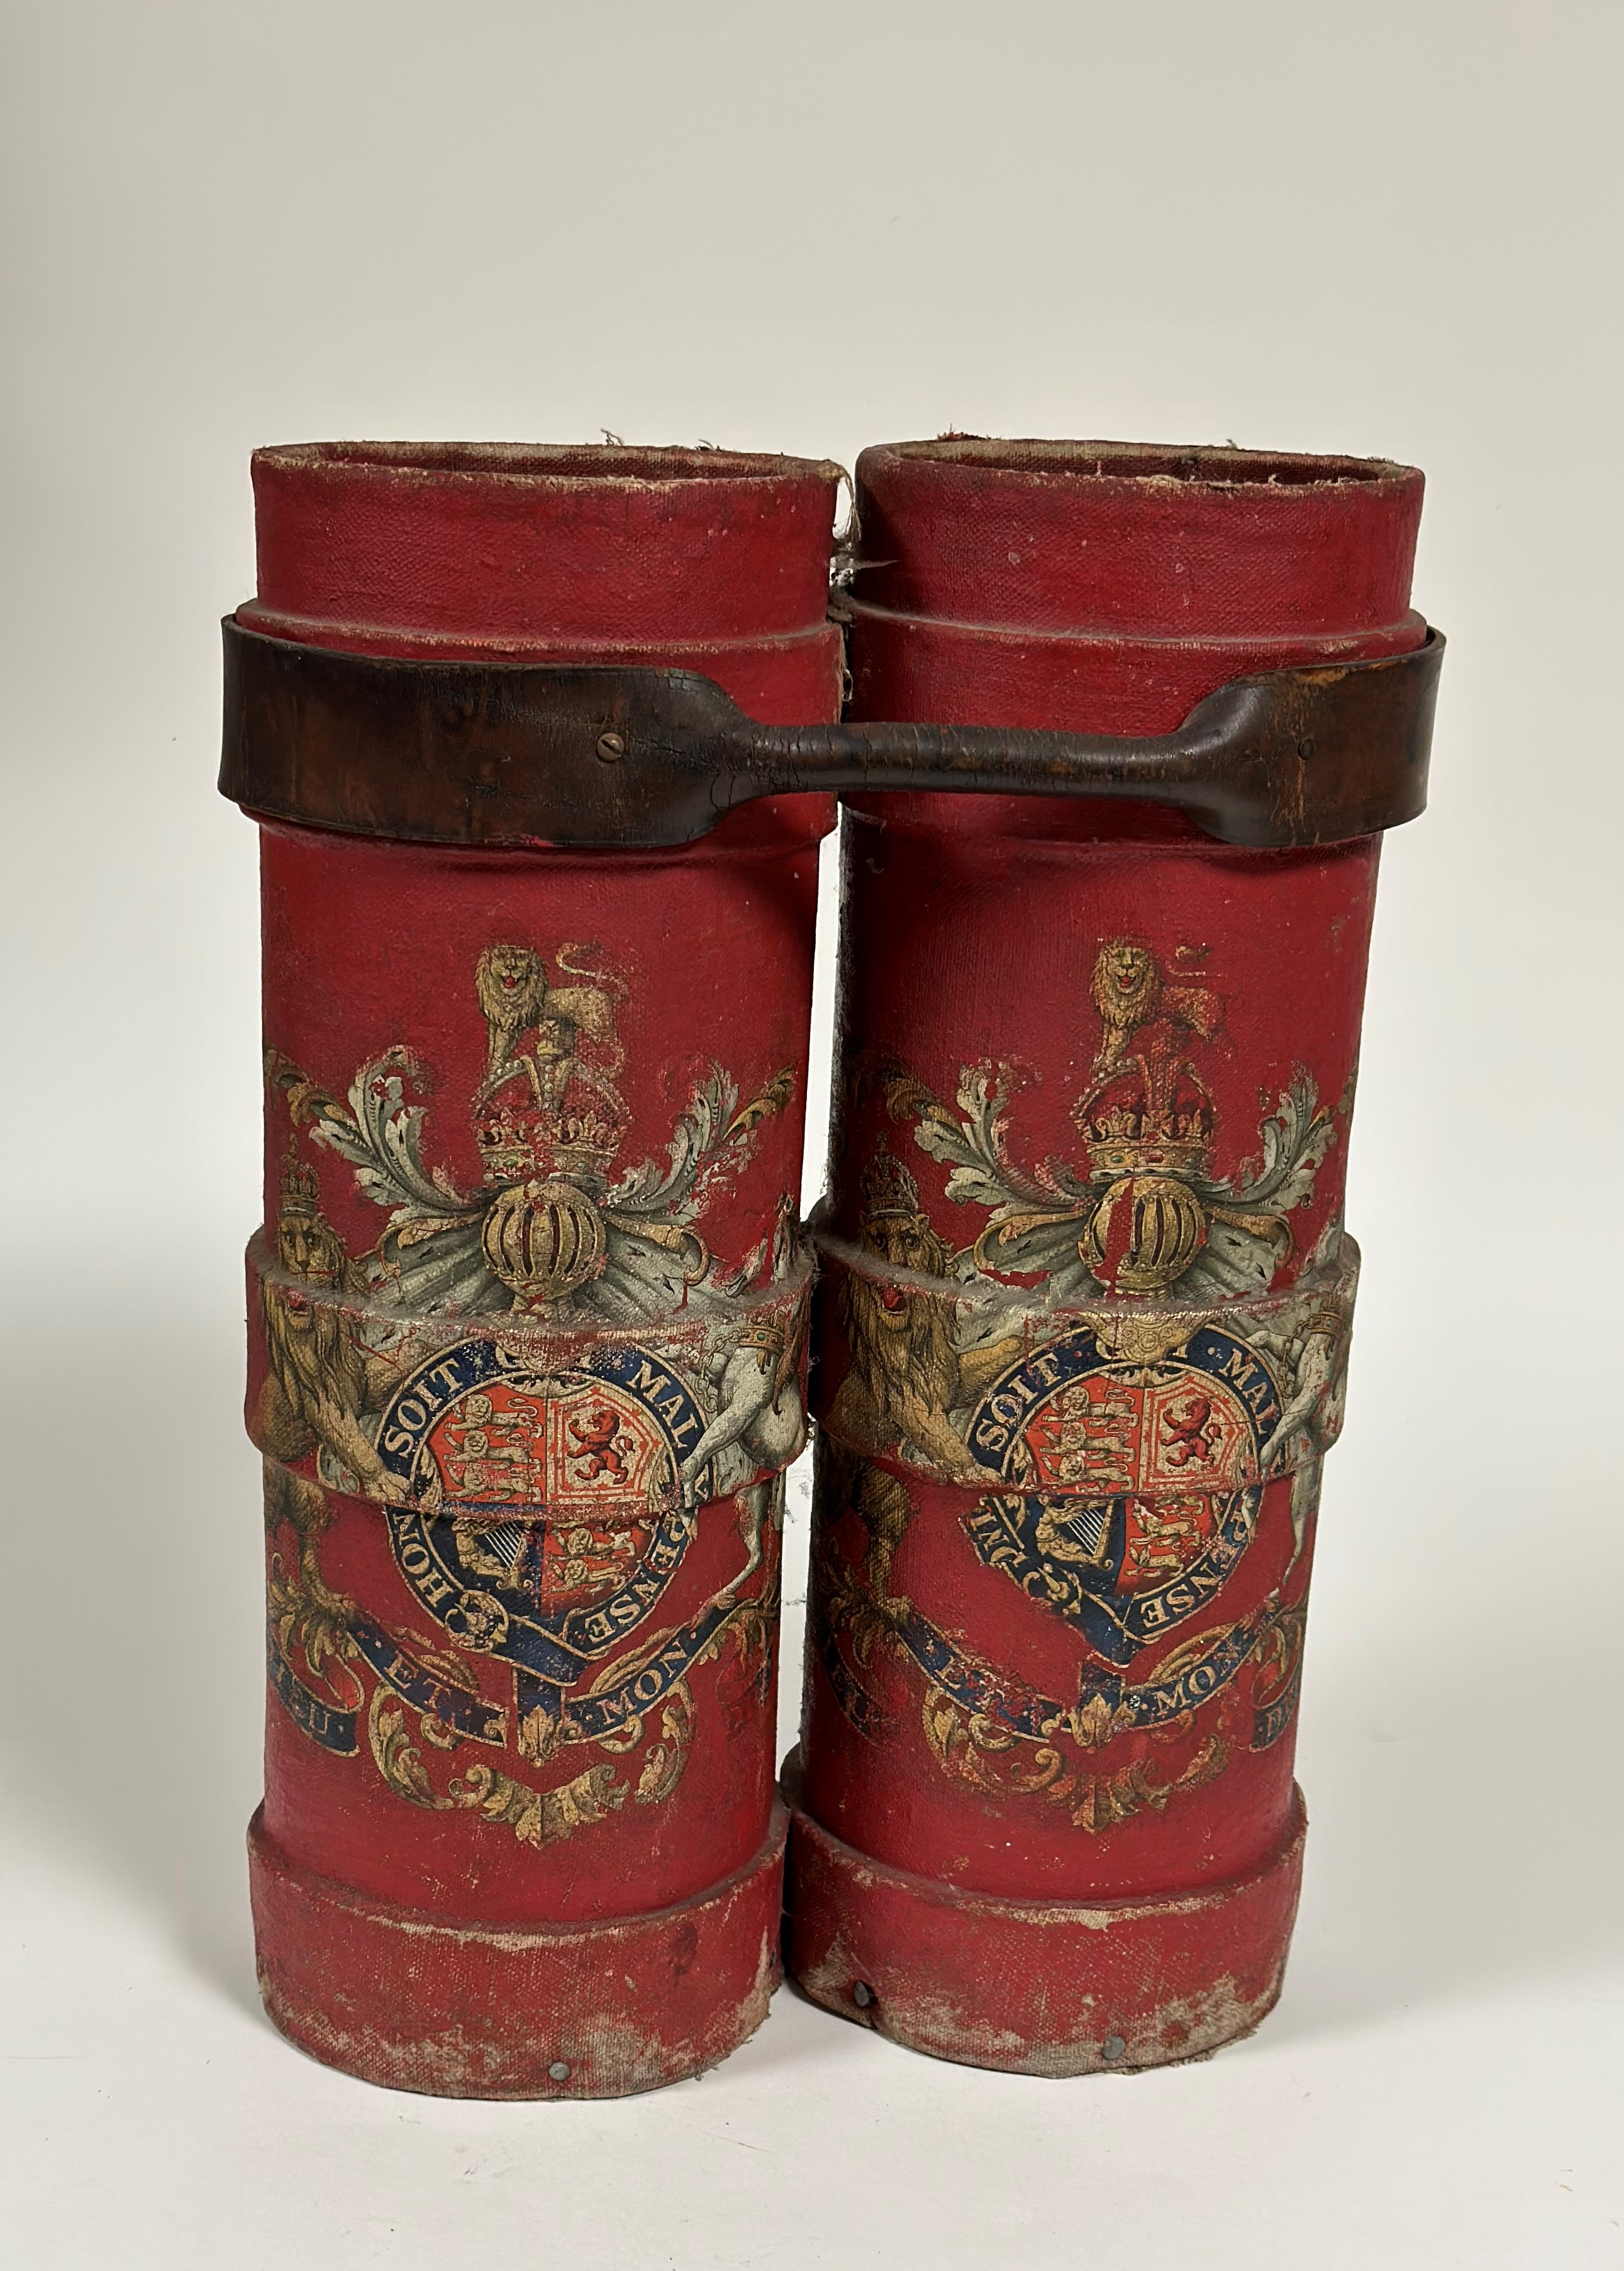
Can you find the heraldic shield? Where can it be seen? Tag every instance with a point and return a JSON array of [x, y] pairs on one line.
[[1172, 1450]]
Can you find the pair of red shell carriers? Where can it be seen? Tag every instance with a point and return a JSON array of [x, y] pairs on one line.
[[541, 743]]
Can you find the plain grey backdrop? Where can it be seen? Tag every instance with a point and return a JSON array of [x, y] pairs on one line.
[[1386, 228]]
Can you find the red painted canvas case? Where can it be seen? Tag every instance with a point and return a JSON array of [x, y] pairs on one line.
[[528, 1313], [1086, 1291]]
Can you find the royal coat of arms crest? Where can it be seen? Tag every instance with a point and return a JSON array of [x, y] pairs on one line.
[[1105, 1380], [543, 1381]]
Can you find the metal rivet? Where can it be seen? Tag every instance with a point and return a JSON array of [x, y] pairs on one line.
[[1305, 748], [862, 1994], [559, 2071], [611, 747], [1112, 2048]]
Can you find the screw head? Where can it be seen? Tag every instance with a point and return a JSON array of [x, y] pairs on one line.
[[1305, 748], [611, 747], [863, 1995], [1112, 2048], [559, 2071]]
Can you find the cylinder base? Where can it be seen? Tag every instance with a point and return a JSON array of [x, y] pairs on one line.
[[416, 2001], [1041, 1987]]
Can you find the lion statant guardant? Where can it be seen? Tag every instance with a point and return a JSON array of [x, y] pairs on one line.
[[1129, 991], [517, 999]]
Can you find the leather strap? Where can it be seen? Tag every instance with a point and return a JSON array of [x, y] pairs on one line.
[[526, 754]]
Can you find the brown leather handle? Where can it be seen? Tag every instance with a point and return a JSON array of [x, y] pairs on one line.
[[529, 754]]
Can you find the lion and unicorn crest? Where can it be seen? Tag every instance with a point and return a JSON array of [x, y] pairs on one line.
[[1139, 1242], [1101, 1366], [539, 1505], [543, 1379]]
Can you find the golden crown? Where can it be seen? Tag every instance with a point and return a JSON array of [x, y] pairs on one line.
[[1128, 1130], [566, 1145]]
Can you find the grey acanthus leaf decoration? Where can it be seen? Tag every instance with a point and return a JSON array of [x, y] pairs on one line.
[[985, 1093], [972, 1186], [717, 1168], [1295, 1139], [1233, 1263], [393, 1129], [1327, 1248], [637, 1281], [381, 1137], [981, 1172], [445, 1273], [1048, 1248], [670, 1192]]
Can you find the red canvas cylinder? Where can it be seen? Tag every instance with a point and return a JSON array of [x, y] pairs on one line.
[[1086, 1295], [527, 1314]]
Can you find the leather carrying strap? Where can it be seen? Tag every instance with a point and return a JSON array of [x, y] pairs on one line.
[[546, 754]]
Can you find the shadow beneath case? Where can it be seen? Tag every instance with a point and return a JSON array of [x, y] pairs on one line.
[[133, 1671]]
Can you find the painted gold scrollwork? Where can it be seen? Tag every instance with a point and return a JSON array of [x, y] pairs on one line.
[[539, 1817], [662, 1768], [536, 1817], [971, 1749], [395, 1755]]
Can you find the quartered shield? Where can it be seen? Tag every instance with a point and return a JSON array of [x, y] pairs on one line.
[[1130, 1490]]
